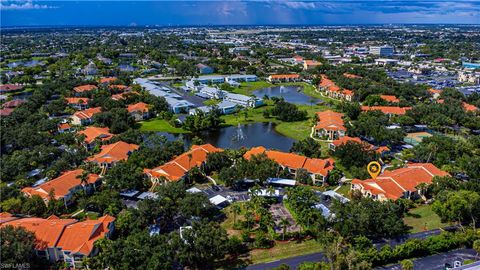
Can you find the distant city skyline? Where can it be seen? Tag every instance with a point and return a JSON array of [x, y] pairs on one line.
[[181, 13]]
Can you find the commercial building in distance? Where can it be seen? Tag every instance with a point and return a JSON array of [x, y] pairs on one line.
[[382, 50]]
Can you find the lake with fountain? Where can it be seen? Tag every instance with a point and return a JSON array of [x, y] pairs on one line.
[[250, 135], [291, 93]]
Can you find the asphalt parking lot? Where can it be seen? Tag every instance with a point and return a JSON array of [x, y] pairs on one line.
[[279, 212]]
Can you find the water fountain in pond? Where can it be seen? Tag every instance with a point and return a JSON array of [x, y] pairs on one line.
[[239, 135]]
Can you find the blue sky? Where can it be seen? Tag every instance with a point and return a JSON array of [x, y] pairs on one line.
[[259, 12]]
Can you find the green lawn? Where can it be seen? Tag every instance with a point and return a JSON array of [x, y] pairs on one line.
[[284, 250], [345, 190], [247, 87], [422, 218], [160, 125]]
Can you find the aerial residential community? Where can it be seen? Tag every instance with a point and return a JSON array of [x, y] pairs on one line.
[[185, 146]]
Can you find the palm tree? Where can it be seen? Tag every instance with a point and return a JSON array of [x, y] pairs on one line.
[[235, 212], [270, 191], [83, 179], [284, 223]]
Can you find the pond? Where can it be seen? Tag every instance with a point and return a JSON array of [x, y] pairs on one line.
[[291, 93], [251, 135]]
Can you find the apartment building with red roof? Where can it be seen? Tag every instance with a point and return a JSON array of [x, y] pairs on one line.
[[399, 183], [84, 88], [140, 111], [13, 103], [85, 117], [64, 127], [333, 91], [119, 88], [64, 186], [317, 168], [346, 139], [469, 107], [390, 98], [330, 125], [65, 240], [298, 59], [113, 153], [351, 76], [78, 103], [10, 88], [123, 95], [310, 64], [6, 111], [95, 133], [276, 78], [177, 168], [435, 93], [388, 110], [107, 80]]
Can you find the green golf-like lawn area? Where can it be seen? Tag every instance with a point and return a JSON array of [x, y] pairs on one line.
[[422, 219], [160, 125]]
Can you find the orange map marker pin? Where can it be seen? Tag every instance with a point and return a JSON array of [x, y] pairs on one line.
[[374, 169]]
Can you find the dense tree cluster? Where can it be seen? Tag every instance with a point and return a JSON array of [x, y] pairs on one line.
[[287, 112], [203, 120], [198, 246]]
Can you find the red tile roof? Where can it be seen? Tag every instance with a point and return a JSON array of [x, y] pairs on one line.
[[345, 139], [13, 103], [392, 184], [387, 109], [114, 152], [123, 95], [330, 120], [390, 98], [108, 80], [351, 76], [120, 87], [434, 91], [174, 170], [469, 108], [87, 113], [80, 237], [67, 234], [138, 107], [64, 126], [61, 185], [92, 133], [5, 217], [84, 88], [294, 161], [285, 76], [328, 84], [6, 112], [77, 100], [312, 63], [10, 87], [47, 231]]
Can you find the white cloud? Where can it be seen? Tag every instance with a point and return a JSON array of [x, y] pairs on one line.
[[22, 5], [300, 5]]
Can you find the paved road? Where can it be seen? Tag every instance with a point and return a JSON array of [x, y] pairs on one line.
[[293, 262], [437, 262]]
